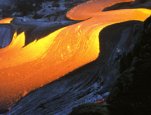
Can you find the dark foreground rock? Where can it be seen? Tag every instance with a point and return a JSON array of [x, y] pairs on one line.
[[91, 109], [130, 5], [131, 94]]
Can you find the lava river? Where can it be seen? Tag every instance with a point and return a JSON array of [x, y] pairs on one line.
[[25, 68]]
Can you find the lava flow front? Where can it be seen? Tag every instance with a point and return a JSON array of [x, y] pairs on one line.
[[25, 68]]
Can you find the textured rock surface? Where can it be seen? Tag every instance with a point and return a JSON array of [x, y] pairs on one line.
[[131, 94], [43, 10], [91, 109], [136, 4], [5, 35]]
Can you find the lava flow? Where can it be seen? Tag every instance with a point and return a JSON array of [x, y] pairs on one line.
[[6, 21], [24, 69]]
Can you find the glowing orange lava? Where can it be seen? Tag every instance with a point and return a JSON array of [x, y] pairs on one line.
[[6, 21], [91, 8], [24, 69]]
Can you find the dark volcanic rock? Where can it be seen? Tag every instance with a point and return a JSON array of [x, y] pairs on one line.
[[6, 35], [50, 10], [91, 109], [131, 94], [130, 5], [4, 4], [26, 7]]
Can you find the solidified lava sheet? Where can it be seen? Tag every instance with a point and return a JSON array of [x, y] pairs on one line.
[[25, 67]]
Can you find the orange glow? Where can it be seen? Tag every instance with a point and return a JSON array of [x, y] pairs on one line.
[[6, 21], [91, 8], [24, 69]]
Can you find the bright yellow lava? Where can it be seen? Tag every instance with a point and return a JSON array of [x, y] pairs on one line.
[[25, 68]]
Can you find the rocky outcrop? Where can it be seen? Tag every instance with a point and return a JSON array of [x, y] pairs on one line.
[[131, 94], [5, 35], [131, 5], [91, 109]]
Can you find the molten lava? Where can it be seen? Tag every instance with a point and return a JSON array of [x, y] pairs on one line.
[[25, 68], [6, 21]]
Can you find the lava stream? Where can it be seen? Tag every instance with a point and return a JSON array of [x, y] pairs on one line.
[[24, 69]]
